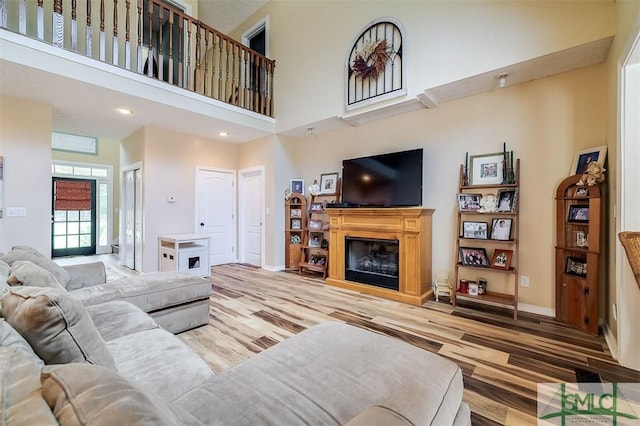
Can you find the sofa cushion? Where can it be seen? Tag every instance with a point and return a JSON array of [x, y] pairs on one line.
[[116, 319], [158, 360], [84, 394], [328, 375], [24, 272], [9, 337], [56, 325], [149, 292], [33, 255], [379, 416], [21, 401]]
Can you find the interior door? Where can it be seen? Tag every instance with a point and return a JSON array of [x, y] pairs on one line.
[[215, 213], [252, 216], [73, 228]]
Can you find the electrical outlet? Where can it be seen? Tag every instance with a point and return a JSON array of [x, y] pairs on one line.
[[524, 281]]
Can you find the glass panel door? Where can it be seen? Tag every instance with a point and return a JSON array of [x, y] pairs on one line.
[[73, 228]]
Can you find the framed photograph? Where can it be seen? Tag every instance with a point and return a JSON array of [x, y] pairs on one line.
[[317, 260], [315, 224], [474, 256], [576, 266], [501, 259], [296, 212], [586, 156], [487, 169], [582, 191], [581, 239], [316, 207], [477, 230], [507, 200], [501, 229], [296, 186], [578, 213], [328, 183], [469, 202], [296, 223], [315, 239]]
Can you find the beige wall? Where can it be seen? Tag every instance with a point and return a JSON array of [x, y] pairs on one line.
[[108, 154], [310, 55], [543, 121], [25, 143], [169, 160]]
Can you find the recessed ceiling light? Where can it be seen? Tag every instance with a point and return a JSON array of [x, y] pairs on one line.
[[223, 134], [124, 111]]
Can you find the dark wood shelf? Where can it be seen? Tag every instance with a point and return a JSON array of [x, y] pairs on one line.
[[313, 266], [497, 299], [471, 212], [511, 270], [495, 185], [512, 241]]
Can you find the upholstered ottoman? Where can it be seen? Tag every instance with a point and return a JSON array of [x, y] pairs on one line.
[[178, 301]]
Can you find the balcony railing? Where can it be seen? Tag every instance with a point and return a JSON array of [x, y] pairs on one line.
[[158, 40]]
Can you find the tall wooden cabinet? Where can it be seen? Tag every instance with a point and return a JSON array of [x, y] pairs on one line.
[[578, 253], [487, 254], [295, 228]]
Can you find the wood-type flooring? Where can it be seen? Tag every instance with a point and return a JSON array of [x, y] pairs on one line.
[[502, 360]]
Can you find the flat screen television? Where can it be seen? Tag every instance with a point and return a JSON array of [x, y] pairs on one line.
[[384, 180]]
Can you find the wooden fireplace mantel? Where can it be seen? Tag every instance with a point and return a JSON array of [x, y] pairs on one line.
[[410, 226]]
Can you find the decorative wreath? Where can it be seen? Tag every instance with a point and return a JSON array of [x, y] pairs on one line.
[[371, 60]]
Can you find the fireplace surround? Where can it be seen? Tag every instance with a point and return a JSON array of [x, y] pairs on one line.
[[385, 234]]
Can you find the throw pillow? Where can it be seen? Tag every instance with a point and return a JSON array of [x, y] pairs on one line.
[[56, 325], [90, 394], [24, 272], [33, 255], [21, 392]]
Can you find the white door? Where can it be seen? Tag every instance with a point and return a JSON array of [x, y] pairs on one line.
[[215, 213], [251, 216], [132, 244], [129, 222]]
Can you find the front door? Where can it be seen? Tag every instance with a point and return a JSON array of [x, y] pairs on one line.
[[215, 213], [73, 228]]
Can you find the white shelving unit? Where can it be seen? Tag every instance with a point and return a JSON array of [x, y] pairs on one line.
[[184, 252]]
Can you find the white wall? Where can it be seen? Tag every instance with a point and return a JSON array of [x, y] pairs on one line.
[[25, 143]]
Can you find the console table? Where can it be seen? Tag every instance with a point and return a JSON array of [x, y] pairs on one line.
[[410, 227]]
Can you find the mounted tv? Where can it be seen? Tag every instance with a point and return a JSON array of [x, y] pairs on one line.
[[385, 180]]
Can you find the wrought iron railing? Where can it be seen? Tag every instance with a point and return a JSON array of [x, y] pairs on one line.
[[167, 45]]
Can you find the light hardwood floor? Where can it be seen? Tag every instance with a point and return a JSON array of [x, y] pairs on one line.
[[502, 359]]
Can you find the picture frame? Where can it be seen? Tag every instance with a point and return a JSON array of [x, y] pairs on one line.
[[329, 183], [296, 224], [317, 260], [507, 200], [501, 259], [582, 191], [474, 256], [501, 229], [316, 207], [486, 169], [475, 230], [576, 266], [315, 239], [469, 202], [296, 212], [315, 224], [296, 186], [578, 213], [583, 157]]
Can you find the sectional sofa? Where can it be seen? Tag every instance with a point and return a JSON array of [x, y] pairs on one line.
[[66, 362]]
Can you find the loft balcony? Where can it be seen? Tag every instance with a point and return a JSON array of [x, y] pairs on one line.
[[137, 45]]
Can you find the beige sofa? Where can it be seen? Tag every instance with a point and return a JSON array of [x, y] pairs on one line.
[[62, 362], [178, 301]]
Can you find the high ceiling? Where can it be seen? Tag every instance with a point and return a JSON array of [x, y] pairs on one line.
[[226, 15]]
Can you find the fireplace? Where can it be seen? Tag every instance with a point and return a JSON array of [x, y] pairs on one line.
[[390, 251], [372, 261]]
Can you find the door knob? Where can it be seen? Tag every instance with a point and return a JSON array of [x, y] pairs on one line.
[[201, 223]]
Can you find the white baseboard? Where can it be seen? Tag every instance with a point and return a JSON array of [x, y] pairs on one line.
[[539, 310], [612, 343], [274, 268]]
